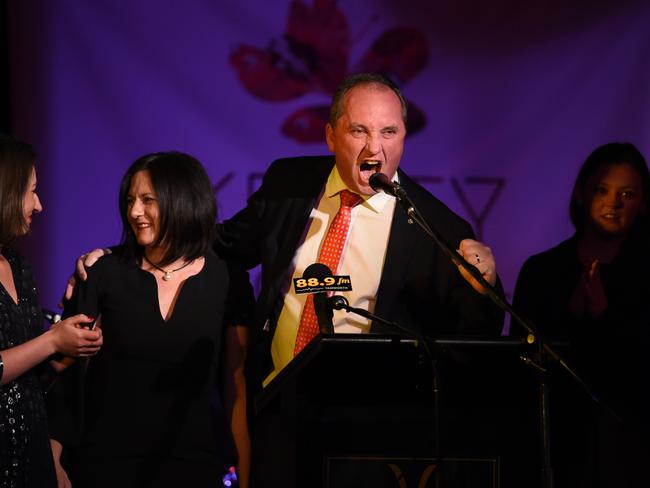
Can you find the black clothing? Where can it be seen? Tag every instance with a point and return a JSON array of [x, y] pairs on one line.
[[590, 447], [420, 288], [146, 412], [25, 455]]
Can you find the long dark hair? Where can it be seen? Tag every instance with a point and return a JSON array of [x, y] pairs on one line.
[[16, 164], [186, 202], [605, 156]]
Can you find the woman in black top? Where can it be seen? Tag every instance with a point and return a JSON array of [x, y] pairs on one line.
[[592, 291], [25, 456], [146, 415]]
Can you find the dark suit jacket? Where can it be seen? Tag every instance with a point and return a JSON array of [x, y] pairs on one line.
[[419, 288]]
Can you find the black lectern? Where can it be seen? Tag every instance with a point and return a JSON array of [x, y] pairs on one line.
[[358, 410]]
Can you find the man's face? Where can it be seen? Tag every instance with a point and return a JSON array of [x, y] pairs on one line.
[[368, 136]]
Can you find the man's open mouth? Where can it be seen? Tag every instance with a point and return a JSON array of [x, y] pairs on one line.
[[369, 168]]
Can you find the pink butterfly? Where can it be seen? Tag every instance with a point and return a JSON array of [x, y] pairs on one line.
[[313, 56]]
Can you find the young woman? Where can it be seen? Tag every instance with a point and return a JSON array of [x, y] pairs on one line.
[[147, 415], [25, 457], [592, 291]]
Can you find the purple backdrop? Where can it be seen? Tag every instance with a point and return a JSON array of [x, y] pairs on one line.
[[508, 99]]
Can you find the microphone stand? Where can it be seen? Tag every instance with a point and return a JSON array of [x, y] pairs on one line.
[[544, 350], [338, 302]]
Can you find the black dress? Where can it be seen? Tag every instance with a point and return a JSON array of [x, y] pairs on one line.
[[25, 456], [146, 416]]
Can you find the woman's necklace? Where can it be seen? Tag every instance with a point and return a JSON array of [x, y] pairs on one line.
[[167, 275]]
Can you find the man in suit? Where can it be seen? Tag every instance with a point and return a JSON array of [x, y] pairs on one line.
[[397, 271]]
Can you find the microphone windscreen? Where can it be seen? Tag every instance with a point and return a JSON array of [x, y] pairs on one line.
[[379, 182], [317, 270]]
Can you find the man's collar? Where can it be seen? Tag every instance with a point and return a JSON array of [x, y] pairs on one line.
[[335, 185]]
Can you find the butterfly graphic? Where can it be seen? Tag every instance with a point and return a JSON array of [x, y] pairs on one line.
[[313, 56]]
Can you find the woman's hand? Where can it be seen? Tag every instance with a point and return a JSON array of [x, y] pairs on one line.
[[71, 337], [84, 261], [67, 337], [589, 297]]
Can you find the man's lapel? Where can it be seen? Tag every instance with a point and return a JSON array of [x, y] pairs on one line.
[[305, 191], [399, 253]]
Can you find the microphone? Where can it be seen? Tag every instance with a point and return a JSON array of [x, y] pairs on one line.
[[318, 278], [319, 271], [324, 314], [380, 182], [337, 302]]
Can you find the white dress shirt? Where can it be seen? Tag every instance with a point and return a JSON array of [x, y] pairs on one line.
[[362, 259]]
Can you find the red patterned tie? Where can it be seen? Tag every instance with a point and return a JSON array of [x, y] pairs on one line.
[[330, 255]]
